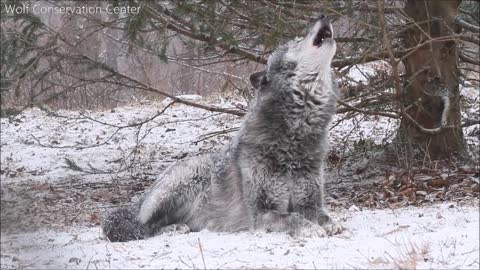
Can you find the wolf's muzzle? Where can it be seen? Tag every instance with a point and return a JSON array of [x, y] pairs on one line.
[[324, 32]]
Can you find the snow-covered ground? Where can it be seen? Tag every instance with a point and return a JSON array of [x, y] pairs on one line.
[[36, 143], [439, 237], [50, 213]]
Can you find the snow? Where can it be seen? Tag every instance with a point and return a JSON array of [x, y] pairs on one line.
[[437, 236], [363, 72], [379, 130], [442, 236]]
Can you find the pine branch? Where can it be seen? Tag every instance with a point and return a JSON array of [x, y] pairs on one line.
[[174, 23]]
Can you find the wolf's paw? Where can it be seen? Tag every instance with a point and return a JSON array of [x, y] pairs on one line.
[[309, 231], [177, 228], [333, 227]]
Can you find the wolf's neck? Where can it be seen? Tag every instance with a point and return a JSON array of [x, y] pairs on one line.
[[311, 82], [308, 116]]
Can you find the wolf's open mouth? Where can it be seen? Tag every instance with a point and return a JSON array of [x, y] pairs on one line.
[[323, 33]]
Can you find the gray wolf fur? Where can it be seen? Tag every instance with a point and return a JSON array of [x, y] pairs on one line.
[[270, 177]]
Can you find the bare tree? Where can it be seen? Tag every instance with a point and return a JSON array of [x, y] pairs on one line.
[[430, 94]]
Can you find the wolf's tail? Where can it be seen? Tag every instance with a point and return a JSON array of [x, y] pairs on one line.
[[178, 197], [122, 225]]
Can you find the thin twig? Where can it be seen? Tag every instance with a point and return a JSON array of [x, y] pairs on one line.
[[391, 115], [201, 252]]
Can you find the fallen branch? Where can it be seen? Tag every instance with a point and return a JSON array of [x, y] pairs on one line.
[[145, 86], [215, 133], [149, 88]]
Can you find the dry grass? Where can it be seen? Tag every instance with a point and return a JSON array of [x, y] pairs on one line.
[[406, 257]]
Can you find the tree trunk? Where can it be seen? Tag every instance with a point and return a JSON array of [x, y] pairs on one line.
[[431, 81]]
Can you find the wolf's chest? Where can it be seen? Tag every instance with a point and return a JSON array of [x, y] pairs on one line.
[[288, 195], [301, 193]]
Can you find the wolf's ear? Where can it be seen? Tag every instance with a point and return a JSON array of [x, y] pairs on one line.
[[258, 79]]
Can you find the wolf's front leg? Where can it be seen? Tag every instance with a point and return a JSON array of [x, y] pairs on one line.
[[314, 210]]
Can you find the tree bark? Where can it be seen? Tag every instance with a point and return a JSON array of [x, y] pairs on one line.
[[431, 81]]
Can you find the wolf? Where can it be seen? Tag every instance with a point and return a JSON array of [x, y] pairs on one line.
[[270, 177]]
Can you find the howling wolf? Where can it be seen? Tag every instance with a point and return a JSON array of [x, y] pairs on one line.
[[270, 177]]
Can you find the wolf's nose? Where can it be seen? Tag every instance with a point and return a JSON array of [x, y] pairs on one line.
[[324, 19]]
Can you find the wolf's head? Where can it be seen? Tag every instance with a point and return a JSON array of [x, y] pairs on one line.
[[309, 56], [295, 101], [297, 90]]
